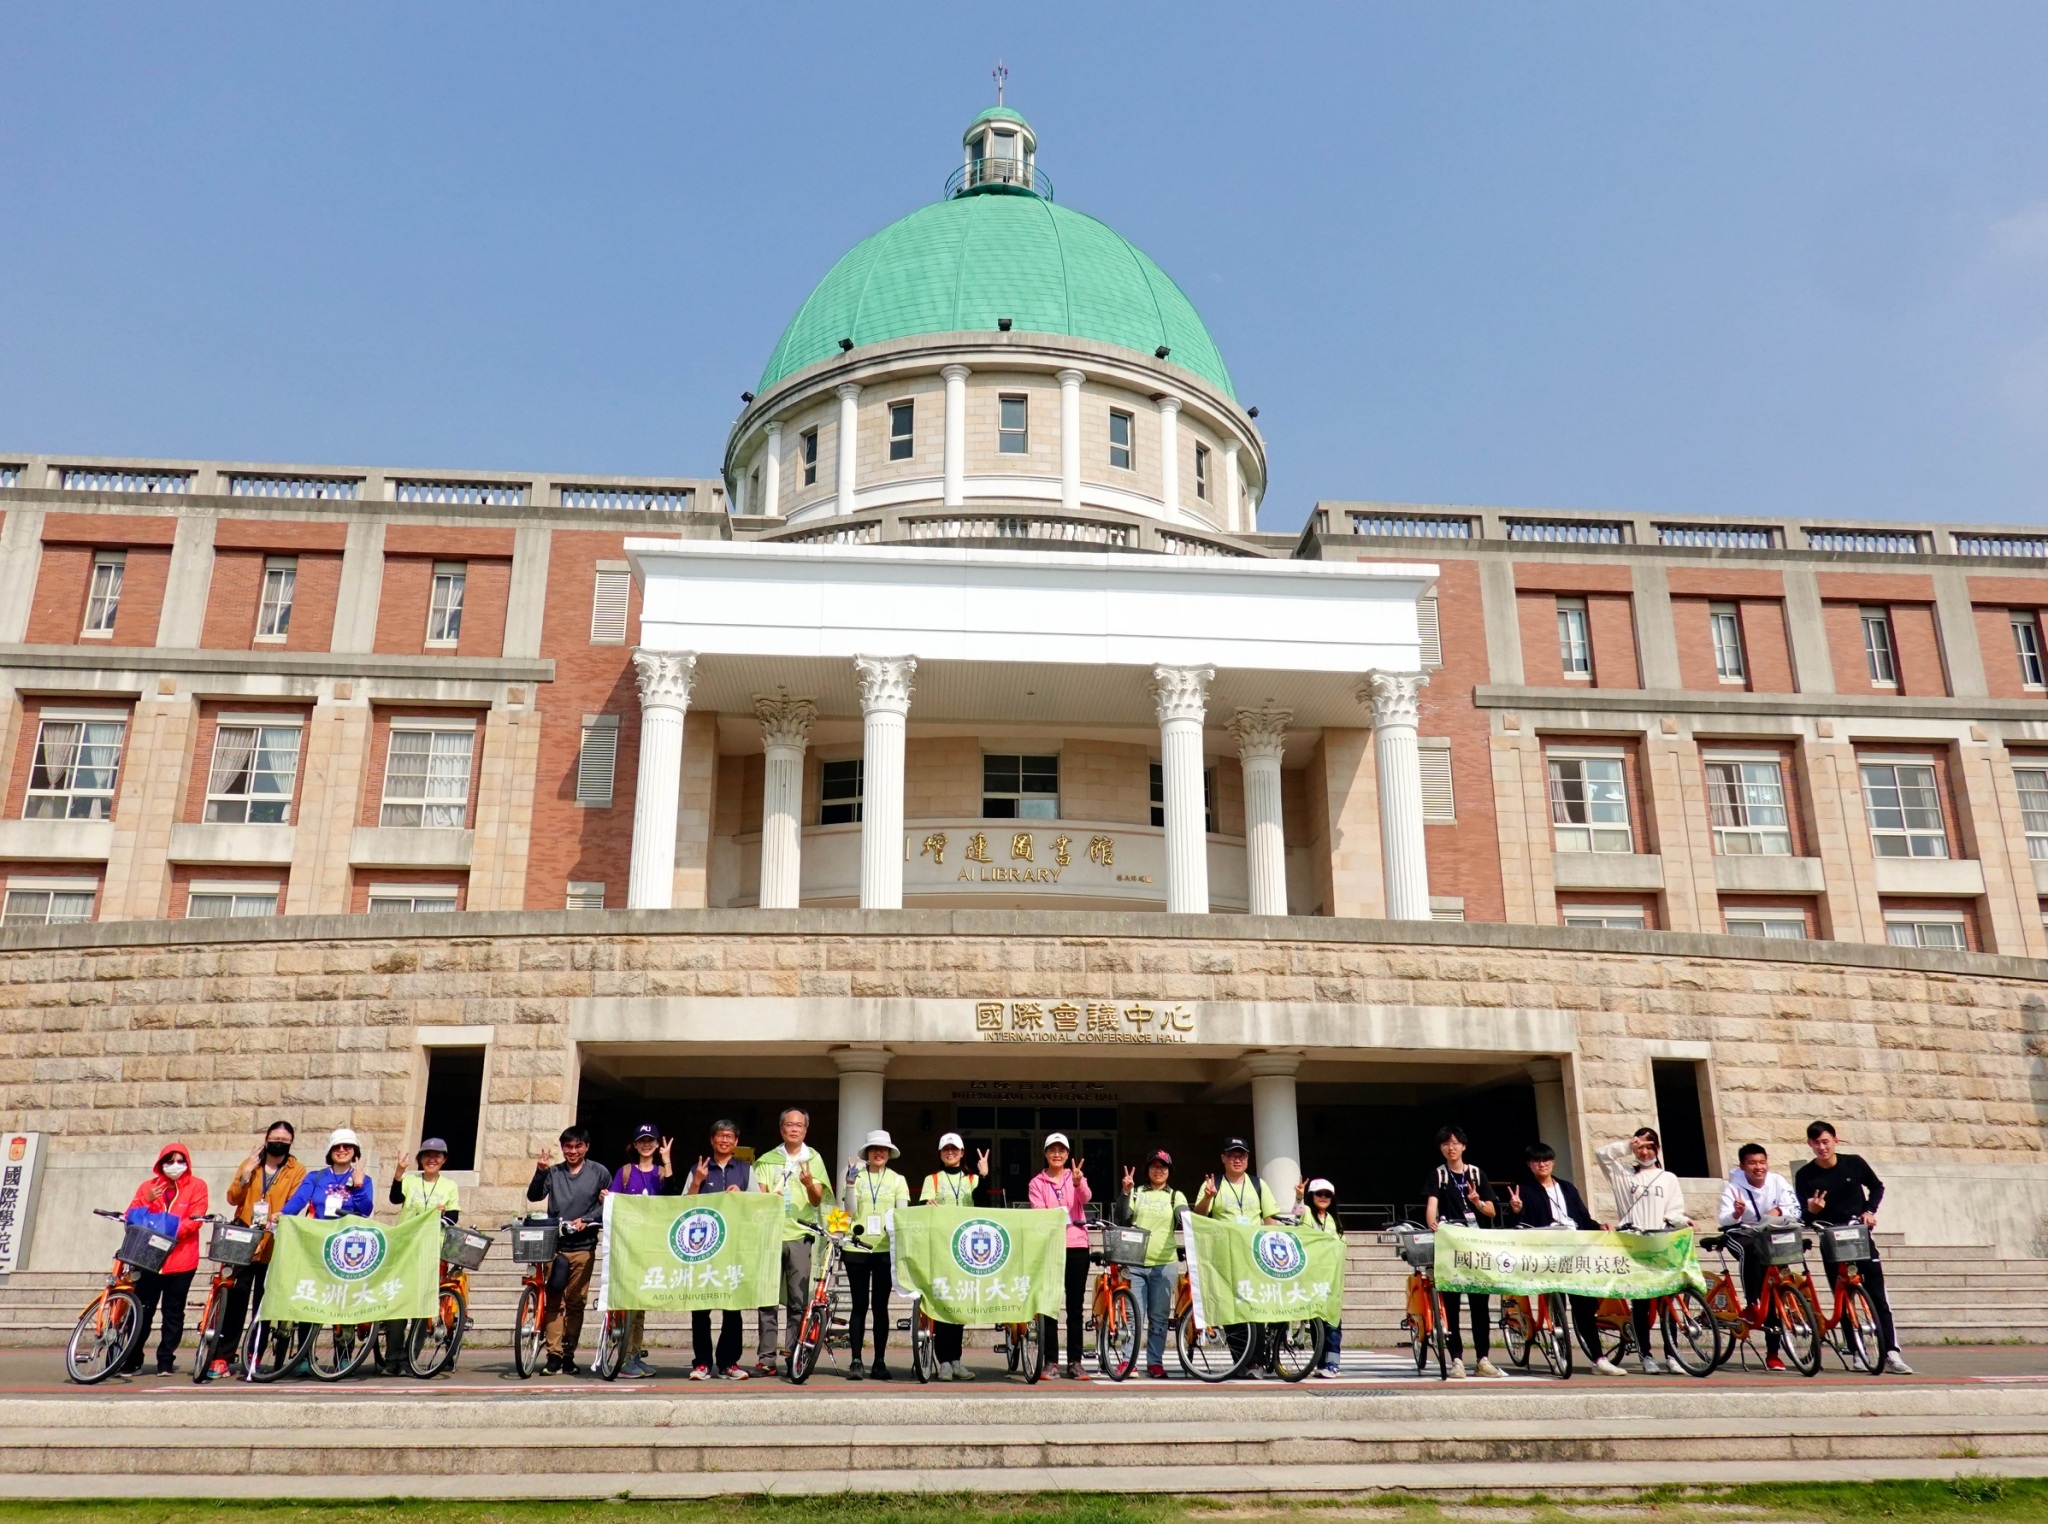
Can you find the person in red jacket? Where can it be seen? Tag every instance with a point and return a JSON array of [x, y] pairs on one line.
[[171, 1188]]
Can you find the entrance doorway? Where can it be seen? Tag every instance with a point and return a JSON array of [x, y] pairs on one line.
[[1015, 1139]]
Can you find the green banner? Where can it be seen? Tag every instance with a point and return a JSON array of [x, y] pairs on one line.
[[967, 1265], [1533, 1261], [1244, 1273], [353, 1270], [686, 1253]]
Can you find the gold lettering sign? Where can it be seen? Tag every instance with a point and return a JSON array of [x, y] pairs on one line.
[[1063, 852], [1091, 1021]]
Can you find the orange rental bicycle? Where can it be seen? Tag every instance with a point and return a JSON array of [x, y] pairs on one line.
[[533, 1245], [1115, 1314], [232, 1246], [1531, 1325], [112, 1321], [1424, 1322], [433, 1345], [1852, 1326], [1784, 1303]]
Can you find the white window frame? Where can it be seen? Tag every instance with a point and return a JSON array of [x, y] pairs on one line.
[[1588, 835], [1011, 441], [1606, 917], [1772, 922], [1724, 624], [611, 603], [274, 603], [1575, 639], [1202, 471], [903, 446], [2026, 639], [243, 899], [585, 895], [266, 744], [807, 455], [397, 899], [444, 604], [1914, 928], [19, 907], [99, 802], [432, 808], [1880, 647], [1127, 447], [597, 762], [1911, 836], [103, 594], [2031, 780], [1731, 812]]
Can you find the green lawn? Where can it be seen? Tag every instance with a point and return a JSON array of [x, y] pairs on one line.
[[1988, 1499]]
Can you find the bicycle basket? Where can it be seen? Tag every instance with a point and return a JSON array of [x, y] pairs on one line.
[[465, 1246], [143, 1249], [1125, 1246], [1848, 1244], [234, 1243], [533, 1243], [1419, 1250], [1784, 1246]]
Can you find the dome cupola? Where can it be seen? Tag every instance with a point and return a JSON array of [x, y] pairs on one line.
[[1001, 156]]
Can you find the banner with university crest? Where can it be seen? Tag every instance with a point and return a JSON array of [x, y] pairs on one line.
[[1535, 1261], [1240, 1273], [973, 1265], [353, 1270], [691, 1253]]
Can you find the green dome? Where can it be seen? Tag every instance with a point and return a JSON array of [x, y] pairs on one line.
[[1000, 114], [959, 265]]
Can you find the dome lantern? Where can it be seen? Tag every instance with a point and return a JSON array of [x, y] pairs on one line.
[[999, 154]]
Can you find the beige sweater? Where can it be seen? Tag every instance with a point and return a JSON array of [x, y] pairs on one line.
[[1647, 1197]]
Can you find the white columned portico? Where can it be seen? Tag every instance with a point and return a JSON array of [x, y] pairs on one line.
[[785, 732], [1169, 455], [1233, 513], [1276, 1126], [955, 457], [771, 472], [665, 678], [848, 447], [1261, 736], [1396, 703], [861, 1072], [1181, 695], [1553, 1118], [1070, 438], [885, 685]]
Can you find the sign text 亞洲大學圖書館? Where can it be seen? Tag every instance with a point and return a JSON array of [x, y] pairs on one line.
[[1083, 1021], [1019, 857]]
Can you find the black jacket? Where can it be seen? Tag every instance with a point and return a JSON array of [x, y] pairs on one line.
[[1536, 1213], [1852, 1189]]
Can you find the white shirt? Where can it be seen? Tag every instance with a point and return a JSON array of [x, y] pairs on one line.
[[1557, 1213], [1758, 1201], [1647, 1197]]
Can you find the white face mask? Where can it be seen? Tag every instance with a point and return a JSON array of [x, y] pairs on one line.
[[173, 1169]]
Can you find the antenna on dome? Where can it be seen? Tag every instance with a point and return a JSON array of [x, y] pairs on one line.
[[1000, 74]]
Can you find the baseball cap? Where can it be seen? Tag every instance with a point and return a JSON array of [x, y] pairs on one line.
[[1236, 1146], [431, 1146], [1320, 1187], [1159, 1156], [951, 1140], [646, 1130], [1059, 1138]]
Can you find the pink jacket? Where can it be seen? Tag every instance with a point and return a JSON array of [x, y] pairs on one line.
[[1072, 1193]]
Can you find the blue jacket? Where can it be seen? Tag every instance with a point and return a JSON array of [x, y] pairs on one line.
[[312, 1192]]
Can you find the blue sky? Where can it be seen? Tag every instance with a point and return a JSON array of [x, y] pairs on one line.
[[1743, 258]]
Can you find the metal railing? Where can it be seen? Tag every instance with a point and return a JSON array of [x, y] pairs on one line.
[[1016, 176]]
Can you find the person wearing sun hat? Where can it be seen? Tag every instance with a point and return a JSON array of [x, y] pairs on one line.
[[1059, 1185], [424, 1189], [338, 1189], [952, 1184], [873, 1191], [1154, 1206], [1318, 1206]]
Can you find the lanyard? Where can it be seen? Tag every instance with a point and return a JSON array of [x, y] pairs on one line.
[[875, 1191], [1237, 1192], [953, 1185]]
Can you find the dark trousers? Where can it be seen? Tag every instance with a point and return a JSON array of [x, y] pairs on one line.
[[867, 1276], [1873, 1282], [727, 1355], [1480, 1331], [946, 1341], [1077, 1310], [1639, 1320], [247, 1292], [1754, 1260], [169, 1291], [1586, 1323]]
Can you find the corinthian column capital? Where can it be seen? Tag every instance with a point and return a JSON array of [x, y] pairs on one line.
[[785, 721], [1261, 733], [1181, 693], [885, 682], [665, 677], [1396, 697]]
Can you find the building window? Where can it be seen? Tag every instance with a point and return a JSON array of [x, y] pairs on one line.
[[453, 1111], [444, 611], [1120, 440], [586, 896], [1202, 471], [1878, 651], [1589, 805], [1747, 802], [2033, 787], [47, 907], [1679, 1085], [1574, 640], [902, 429], [224, 902], [1439, 804], [1208, 797], [2026, 639], [394, 898], [609, 601], [1020, 788], [274, 611], [1013, 426], [1592, 919], [1784, 925], [1902, 801], [1429, 634], [1727, 629], [254, 767], [597, 761], [839, 792], [1926, 928], [103, 597], [809, 440], [426, 778], [77, 765]]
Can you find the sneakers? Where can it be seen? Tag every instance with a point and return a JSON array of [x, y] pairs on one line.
[[1487, 1367], [1458, 1370], [961, 1372], [636, 1369], [878, 1371], [1075, 1373], [1607, 1367], [856, 1371], [1156, 1372], [1896, 1363], [570, 1367], [765, 1366], [703, 1372], [734, 1373], [1325, 1372], [944, 1372], [218, 1371], [554, 1365], [1774, 1363], [165, 1370], [1651, 1367]]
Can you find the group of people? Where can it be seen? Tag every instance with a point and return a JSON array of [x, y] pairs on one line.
[[1831, 1189]]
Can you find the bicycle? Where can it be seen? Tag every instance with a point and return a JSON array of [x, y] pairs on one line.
[[106, 1332], [1785, 1300], [231, 1247], [1026, 1348], [433, 1345], [1851, 1327], [816, 1325], [1115, 1313], [1424, 1320], [533, 1245], [1692, 1334], [1541, 1324], [1208, 1354]]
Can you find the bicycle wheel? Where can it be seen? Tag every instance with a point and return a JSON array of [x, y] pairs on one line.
[[611, 1347], [1116, 1335], [1038, 1350], [529, 1337], [432, 1344], [1439, 1335], [924, 1353], [810, 1338], [1517, 1330], [1554, 1337], [1692, 1339], [1799, 1323], [1014, 1335], [210, 1320], [1297, 1348], [273, 1350], [339, 1350], [106, 1331], [1862, 1347]]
